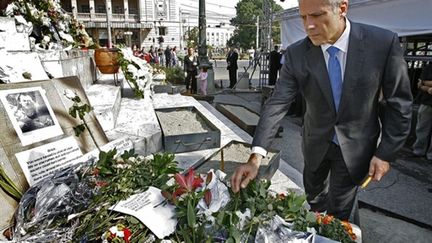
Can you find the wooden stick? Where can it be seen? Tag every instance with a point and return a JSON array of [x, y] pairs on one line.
[[366, 182]]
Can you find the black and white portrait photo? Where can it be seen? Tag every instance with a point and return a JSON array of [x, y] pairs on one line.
[[30, 114], [30, 111]]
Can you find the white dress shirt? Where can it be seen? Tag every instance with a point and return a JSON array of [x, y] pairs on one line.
[[342, 44]]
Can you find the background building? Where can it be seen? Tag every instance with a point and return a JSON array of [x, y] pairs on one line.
[[133, 22]]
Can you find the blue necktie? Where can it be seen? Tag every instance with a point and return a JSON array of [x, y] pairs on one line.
[[335, 75]]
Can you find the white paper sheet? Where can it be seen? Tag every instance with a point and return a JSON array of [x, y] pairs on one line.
[[43, 161], [147, 207]]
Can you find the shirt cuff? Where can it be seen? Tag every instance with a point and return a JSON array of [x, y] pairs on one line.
[[259, 150]]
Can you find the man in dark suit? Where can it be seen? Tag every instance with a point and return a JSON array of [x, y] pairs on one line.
[[232, 66], [341, 69], [274, 65]]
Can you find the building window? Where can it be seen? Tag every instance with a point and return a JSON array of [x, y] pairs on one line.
[[162, 30], [100, 9], [85, 8]]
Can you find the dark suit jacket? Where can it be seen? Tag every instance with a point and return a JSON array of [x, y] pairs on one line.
[[232, 60], [374, 63], [274, 60]]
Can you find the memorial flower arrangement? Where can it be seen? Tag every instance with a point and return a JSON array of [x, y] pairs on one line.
[[50, 26], [137, 72], [74, 205]]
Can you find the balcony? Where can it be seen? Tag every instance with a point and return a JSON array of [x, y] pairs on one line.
[[83, 16], [118, 17], [133, 18]]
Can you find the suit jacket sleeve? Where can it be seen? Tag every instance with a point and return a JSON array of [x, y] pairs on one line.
[[397, 108], [276, 106]]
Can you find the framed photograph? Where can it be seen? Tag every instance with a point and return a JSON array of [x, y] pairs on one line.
[[30, 114]]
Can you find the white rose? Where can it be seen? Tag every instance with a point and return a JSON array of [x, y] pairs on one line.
[[66, 37], [69, 94], [46, 39]]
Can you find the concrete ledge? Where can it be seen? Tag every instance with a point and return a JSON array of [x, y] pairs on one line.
[[74, 62], [105, 99]]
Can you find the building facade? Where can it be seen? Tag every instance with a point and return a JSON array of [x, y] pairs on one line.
[[219, 36], [143, 23]]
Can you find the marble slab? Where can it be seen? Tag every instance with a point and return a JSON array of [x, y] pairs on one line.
[[14, 64], [137, 120], [14, 41], [73, 62], [7, 24], [105, 99]]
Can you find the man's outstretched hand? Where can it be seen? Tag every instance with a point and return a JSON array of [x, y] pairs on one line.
[[245, 173], [378, 168]]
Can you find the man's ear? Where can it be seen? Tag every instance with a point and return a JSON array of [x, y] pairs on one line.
[[343, 8]]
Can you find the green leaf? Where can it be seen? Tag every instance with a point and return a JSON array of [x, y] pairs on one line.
[[191, 217], [79, 129]]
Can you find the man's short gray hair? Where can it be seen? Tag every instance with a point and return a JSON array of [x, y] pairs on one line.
[[334, 3]]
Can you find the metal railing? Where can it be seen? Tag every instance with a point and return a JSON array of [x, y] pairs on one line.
[[133, 17], [118, 17], [83, 16]]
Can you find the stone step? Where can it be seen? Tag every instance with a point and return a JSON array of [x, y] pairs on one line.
[[105, 99], [137, 120]]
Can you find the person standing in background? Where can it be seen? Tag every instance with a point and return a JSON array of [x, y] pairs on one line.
[[190, 69], [202, 77], [423, 144], [232, 67], [168, 57], [274, 65]]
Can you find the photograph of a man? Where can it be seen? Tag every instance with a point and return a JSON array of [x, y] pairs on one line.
[[31, 111], [30, 114]]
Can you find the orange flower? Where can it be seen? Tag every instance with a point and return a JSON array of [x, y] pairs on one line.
[[281, 196], [349, 230], [327, 219]]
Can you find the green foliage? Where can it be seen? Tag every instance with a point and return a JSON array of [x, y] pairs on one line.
[[9, 186], [174, 75], [79, 110], [129, 76], [245, 21], [117, 179], [192, 40]]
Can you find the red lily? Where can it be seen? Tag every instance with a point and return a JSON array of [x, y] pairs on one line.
[[207, 197], [127, 235], [187, 183]]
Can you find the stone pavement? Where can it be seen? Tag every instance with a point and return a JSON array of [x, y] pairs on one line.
[[394, 210]]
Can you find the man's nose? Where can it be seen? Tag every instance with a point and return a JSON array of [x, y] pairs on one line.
[[309, 23]]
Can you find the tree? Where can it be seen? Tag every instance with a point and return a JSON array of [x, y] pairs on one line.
[[192, 37], [245, 23]]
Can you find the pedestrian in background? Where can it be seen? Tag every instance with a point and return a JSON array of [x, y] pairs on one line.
[[202, 77], [168, 57], [274, 65], [423, 144], [232, 67], [190, 68]]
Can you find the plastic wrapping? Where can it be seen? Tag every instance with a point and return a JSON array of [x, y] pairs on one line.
[[44, 209], [277, 230]]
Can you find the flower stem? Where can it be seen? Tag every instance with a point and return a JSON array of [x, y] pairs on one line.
[[91, 134]]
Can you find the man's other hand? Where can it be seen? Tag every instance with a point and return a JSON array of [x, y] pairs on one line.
[[378, 168], [245, 173]]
